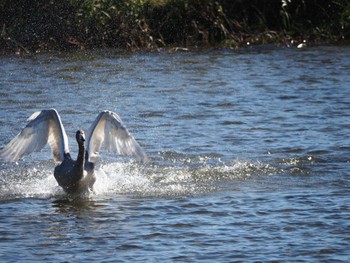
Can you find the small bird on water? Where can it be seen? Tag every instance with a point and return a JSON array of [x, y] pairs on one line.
[[74, 176]]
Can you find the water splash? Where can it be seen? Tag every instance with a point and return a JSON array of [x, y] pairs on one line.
[[181, 178], [23, 181]]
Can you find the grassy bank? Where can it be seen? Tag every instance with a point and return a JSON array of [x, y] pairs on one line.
[[28, 26]]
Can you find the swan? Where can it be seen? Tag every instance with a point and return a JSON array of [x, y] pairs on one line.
[[74, 176]]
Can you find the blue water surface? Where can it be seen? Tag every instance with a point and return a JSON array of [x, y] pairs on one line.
[[248, 157]]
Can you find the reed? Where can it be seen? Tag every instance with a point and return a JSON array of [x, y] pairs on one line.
[[150, 24]]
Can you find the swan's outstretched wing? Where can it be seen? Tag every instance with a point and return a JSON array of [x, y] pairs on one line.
[[43, 127], [109, 131]]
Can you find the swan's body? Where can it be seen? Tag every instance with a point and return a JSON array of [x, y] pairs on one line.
[[78, 175]]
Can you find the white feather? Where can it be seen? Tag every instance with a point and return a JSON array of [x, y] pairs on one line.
[[43, 127], [108, 131]]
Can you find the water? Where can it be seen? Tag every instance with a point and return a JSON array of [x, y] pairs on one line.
[[249, 157]]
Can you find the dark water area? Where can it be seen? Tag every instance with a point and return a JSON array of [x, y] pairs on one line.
[[249, 157]]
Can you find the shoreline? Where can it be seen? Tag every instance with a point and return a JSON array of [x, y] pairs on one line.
[[18, 51]]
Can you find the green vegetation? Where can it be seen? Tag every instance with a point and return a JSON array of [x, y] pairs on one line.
[[150, 24]]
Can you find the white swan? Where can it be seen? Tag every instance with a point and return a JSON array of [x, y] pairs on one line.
[[77, 176]]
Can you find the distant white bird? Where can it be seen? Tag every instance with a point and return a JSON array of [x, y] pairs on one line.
[[78, 176]]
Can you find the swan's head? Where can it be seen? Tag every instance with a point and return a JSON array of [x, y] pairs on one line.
[[80, 136]]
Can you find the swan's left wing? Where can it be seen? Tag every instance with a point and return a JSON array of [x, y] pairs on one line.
[[108, 131], [44, 127]]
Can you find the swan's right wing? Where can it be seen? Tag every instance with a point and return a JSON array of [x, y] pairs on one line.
[[108, 131], [43, 127]]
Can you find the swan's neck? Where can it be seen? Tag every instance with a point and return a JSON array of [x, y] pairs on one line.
[[81, 156]]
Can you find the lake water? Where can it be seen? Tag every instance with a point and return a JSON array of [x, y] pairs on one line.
[[249, 157]]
